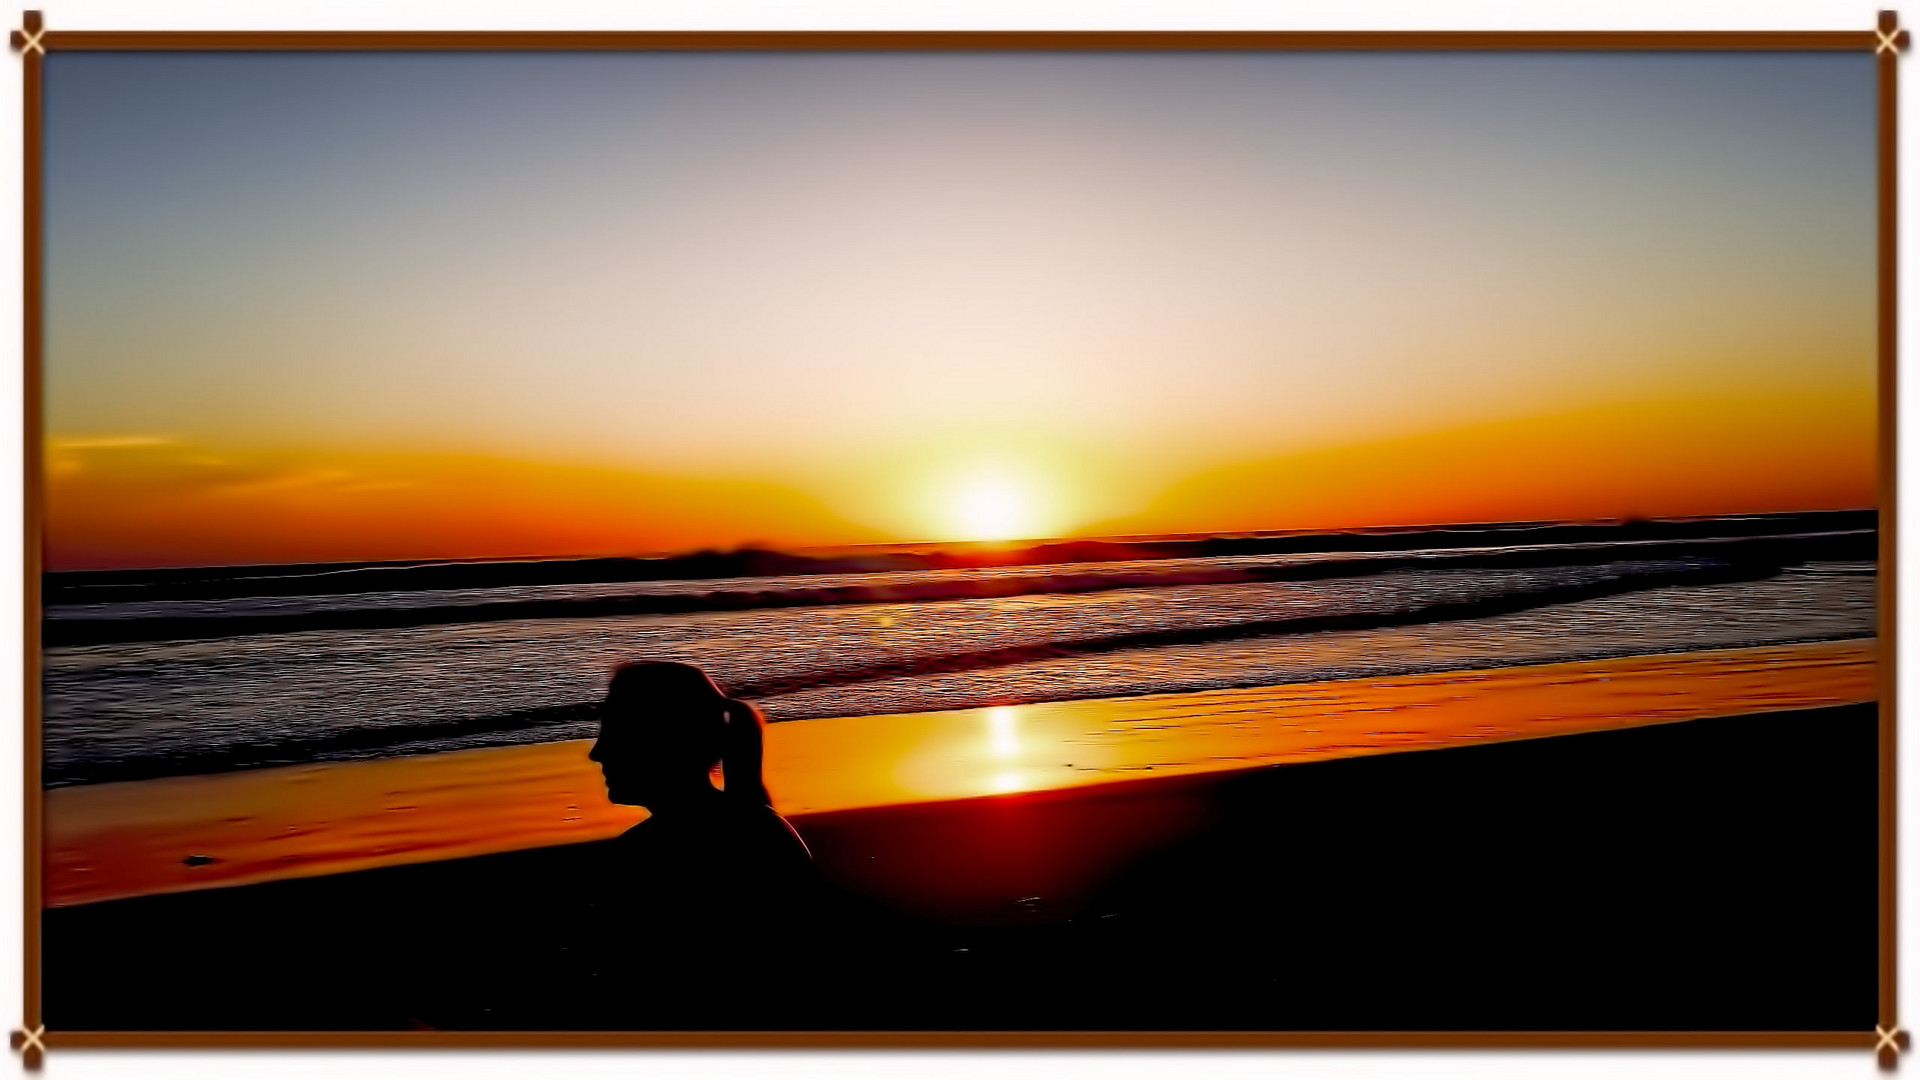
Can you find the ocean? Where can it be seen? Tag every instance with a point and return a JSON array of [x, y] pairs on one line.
[[136, 688]]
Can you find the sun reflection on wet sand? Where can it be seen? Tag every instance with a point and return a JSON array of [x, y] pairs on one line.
[[1003, 743], [127, 839], [1000, 721]]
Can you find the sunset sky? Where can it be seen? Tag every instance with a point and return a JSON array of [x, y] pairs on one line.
[[337, 307]]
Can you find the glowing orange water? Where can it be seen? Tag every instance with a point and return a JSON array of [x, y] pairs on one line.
[[128, 839]]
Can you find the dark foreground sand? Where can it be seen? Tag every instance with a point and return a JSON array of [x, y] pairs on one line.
[[1709, 874]]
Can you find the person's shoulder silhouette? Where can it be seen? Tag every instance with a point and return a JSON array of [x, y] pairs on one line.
[[714, 880], [736, 877]]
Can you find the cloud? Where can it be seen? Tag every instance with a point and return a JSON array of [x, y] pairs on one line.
[[111, 442], [165, 466], [67, 456], [297, 480]]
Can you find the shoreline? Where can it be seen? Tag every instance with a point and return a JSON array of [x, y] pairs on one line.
[[128, 839]]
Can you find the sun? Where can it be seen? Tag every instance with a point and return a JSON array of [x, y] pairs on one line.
[[994, 505], [991, 495]]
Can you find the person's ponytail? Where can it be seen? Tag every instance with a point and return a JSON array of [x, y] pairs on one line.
[[741, 753]]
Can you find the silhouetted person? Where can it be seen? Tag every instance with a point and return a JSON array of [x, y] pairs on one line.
[[714, 893]]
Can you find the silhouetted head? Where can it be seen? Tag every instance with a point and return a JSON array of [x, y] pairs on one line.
[[663, 728]]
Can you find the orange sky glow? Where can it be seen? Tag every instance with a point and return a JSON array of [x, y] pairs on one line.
[[161, 502], [817, 300]]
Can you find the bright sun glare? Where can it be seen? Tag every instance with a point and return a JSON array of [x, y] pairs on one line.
[[993, 506]]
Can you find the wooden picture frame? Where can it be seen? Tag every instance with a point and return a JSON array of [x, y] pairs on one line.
[[35, 40]]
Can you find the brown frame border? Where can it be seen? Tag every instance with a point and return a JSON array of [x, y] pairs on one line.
[[1887, 42]]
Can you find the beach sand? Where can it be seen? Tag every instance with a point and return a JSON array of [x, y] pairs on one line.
[[1694, 849], [128, 839]]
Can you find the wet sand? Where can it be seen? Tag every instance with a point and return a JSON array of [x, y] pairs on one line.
[[119, 840], [1715, 873]]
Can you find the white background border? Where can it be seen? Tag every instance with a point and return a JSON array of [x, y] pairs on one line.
[[930, 15]]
